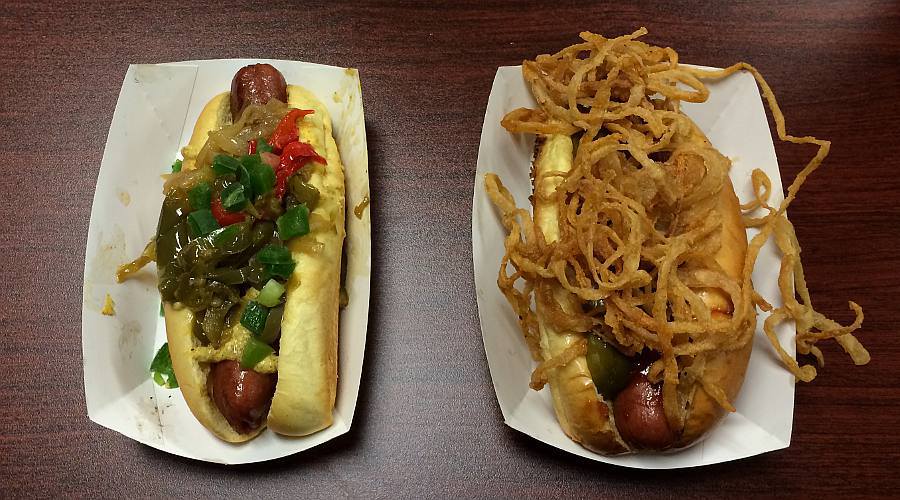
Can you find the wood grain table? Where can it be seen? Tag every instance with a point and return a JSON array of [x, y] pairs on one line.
[[427, 422]]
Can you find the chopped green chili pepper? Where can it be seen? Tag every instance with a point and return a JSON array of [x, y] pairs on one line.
[[161, 368], [200, 196], [233, 197], [202, 222], [271, 294], [273, 325], [224, 164], [254, 317], [176, 166], [229, 276], [294, 222], [214, 320], [254, 352], [304, 192], [227, 236]]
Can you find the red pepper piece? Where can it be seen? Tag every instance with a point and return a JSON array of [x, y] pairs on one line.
[[251, 146], [295, 155], [224, 217], [286, 131]]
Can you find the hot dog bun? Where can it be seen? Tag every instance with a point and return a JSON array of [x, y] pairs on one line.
[[582, 412], [632, 278], [307, 369], [728, 368], [307, 359]]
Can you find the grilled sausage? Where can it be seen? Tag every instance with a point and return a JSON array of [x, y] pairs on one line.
[[640, 417], [256, 84], [243, 396]]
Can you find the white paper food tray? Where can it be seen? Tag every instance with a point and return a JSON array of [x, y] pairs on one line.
[[734, 120], [154, 117]]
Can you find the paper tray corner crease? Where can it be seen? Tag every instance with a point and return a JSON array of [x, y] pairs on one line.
[[154, 117], [735, 121]]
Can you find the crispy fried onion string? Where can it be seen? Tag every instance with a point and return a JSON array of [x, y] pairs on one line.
[[637, 221], [540, 374]]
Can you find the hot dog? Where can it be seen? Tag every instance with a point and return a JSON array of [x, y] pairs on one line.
[[631, 278], [248, 251], [632, 417], [629, 274]]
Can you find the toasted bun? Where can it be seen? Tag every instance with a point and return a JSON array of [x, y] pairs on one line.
[[307, 360], [307, 364], [582, 413], [726, 369]]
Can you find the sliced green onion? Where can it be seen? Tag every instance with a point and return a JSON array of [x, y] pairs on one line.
[[280, 270], [233, 197], [260, 177], [176, 166], [202, 222], [251, 161], [274, 254], [270, 295], [273, 325], [161, 368], [254, 317], [224, 164], [244, 178], [200, 196], [254, 352], [263, 146], [294, 222], [277, 262]]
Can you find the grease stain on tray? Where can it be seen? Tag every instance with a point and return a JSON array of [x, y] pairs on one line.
[[101, 271]]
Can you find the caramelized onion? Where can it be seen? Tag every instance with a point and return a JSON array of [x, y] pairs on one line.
[[256, 122]]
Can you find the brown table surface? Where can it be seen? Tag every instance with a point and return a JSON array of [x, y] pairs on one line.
[[427, 421]]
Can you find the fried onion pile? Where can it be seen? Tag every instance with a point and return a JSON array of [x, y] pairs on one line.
[[638, 221]]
